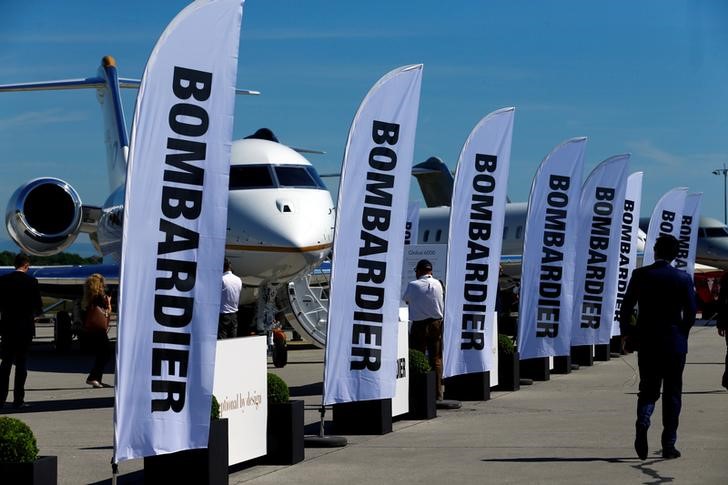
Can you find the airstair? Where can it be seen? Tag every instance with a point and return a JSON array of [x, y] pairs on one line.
[[307, 308]]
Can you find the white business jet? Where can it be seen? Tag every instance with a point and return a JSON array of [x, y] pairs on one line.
[[280, 215], [436, 182]]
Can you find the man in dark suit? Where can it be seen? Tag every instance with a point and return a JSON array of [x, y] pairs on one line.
[[722, 322], [20, 303], [665, 297]]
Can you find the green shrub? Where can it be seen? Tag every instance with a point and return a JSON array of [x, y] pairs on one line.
[[214, 408], [418, 363], [17, 443], [277, 389], [505, 344]]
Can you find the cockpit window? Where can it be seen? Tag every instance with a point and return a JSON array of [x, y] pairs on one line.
[[716, 232], [271, 176], [289, 176], [314, 174], [250, 177]]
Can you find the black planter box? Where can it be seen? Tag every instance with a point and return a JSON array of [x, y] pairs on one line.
[[363, 417], [284, 433], [582, 355], [615, 344], [200, 466], [562, 364], [601, 352], [422, 396], [42, 471], [468, 387], [536, 369], [509, 372]]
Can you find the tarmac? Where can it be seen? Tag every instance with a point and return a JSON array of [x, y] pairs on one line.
[[575, 428]]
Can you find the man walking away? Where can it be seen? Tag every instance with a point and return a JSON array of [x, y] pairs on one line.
[[722, 322], [20, 303], [665, 297], [424, 297], [227, 326]]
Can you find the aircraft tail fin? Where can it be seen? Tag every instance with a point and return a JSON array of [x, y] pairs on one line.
[[436, 181], [107, 85]]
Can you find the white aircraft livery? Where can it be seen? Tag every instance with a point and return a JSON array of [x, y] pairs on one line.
[[280, 214]]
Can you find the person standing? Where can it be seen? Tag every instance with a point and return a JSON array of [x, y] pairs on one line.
[[425, 298], [722, 322], [20, 303], [665, 297], [227, 326], [95, 303]]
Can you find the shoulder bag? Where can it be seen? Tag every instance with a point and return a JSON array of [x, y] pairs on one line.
[[97, 320]]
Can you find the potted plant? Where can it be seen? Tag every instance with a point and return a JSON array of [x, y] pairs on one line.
[[422, 391], [284, 430], [19, 460], [202, 465], [509, 375]]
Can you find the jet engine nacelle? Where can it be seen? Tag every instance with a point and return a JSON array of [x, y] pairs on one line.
[[44, 216]]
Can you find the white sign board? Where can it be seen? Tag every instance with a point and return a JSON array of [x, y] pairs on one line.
[[435, 253], [400, 401], [241, 389]]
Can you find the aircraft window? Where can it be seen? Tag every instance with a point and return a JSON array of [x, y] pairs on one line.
[[314, 174], [293, 176], [438, 235], [701, 232], [519, 229], [716, 231], [426, 235], [505, 232], [250, 177]]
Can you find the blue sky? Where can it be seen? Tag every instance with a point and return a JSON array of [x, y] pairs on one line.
[[645, 77]]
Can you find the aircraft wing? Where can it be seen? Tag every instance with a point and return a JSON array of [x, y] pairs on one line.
[[67, 281]]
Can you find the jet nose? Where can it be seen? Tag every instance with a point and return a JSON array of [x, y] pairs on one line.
[[285, 235]]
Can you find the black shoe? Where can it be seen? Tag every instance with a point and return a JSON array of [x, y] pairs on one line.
[[670, 453], [640, 443], [20, 405]]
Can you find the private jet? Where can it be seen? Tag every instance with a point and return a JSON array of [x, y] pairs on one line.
[[280, 214], [436, 182]]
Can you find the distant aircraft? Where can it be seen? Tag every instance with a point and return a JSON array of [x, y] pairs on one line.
[[280, 214], [436, 183]]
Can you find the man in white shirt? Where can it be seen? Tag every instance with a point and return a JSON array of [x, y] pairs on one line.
[[425, 298], [227, 326]]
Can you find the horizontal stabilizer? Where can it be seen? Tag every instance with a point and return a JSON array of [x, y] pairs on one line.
[[86, 83]]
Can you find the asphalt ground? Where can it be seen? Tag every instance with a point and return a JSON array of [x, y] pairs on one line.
[[574, 428]]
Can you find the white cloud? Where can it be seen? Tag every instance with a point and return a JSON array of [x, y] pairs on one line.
[[46, 117], [647, 149]]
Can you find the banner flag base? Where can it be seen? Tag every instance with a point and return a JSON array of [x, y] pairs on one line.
[[201, 465], [562, 364], [615, 345], [582, 355], [468, 387], [601, 352], [363, 417], [536, 369]]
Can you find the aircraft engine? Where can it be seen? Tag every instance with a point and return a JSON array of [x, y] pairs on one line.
[[44, 216]]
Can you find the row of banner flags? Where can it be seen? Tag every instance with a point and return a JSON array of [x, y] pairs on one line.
[[580, 240], [580, 245]]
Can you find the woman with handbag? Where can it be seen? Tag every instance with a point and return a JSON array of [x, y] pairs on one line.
[[95, 316]]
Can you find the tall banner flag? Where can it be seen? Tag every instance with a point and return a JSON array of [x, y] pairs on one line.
[[597, 251], [666, 218], [547, 276], [629, 231], [366, 269], [474, 245], [689, 233], [175, 218]]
